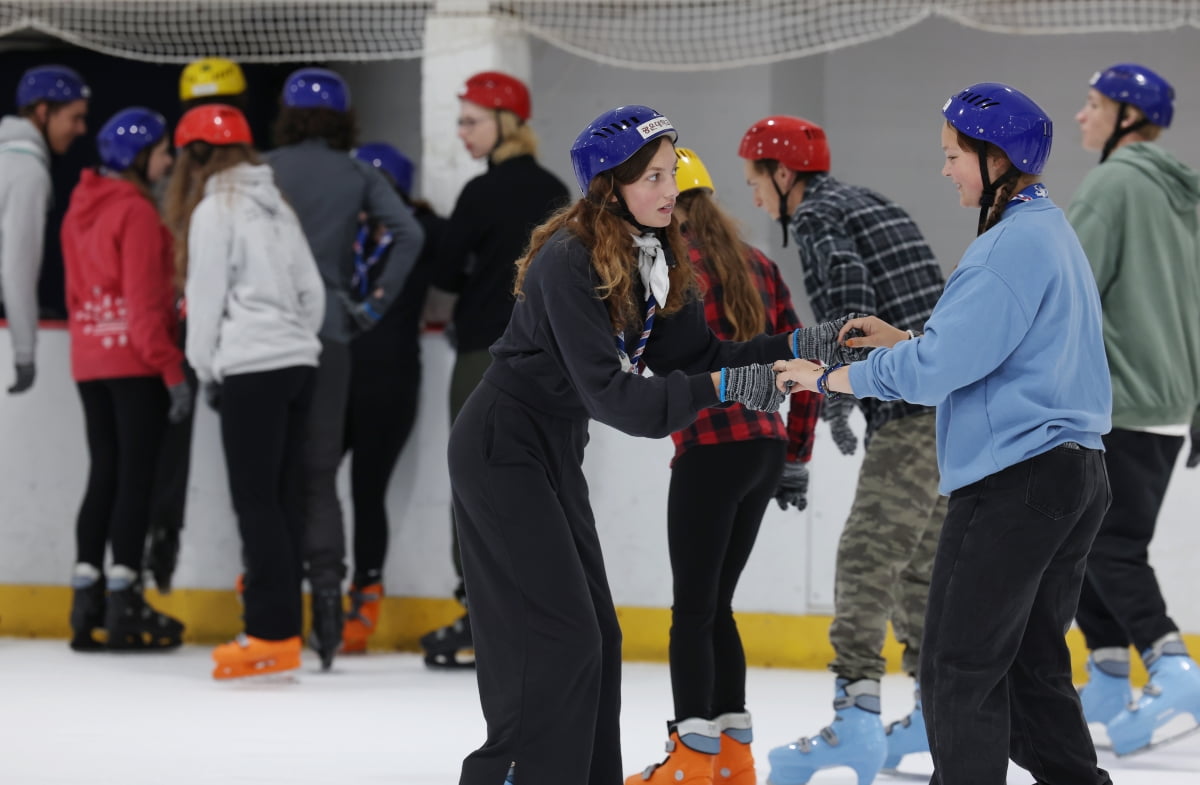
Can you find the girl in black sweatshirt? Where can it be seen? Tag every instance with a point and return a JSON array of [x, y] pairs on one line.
[[599, 299]]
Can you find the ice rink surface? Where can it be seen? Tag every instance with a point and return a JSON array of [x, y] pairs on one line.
[[160, 719]]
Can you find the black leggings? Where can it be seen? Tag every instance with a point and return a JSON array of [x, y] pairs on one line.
[[384, 388], [718, 496], [125, 420], [263, 428]]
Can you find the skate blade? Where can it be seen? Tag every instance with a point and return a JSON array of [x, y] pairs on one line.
[[905, 775], [262, 672], [1171, 732], [451, 660]]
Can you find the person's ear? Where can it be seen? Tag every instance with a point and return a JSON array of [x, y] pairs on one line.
[[784, 178]]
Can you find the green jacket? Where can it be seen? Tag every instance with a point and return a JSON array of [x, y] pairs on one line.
[[1136, 217]]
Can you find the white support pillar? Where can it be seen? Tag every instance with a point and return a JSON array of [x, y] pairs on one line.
[[460, 40]]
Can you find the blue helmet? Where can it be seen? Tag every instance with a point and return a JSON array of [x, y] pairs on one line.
[[612, 138], [390, 161], [55, 83], [1137, 85], [1005, 117], [127, 133], [316, 88]]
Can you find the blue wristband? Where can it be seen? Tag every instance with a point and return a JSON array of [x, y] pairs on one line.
[[721, 393], [370, 311], [823, 379], [795, 344]]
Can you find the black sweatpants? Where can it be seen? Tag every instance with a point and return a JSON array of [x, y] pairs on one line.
[[1121, 602], [125, 420], [263, 418], [322, 448], [718, 495], [547, 642], [168, 501], [469, 368], [385, 384], [995, 669]]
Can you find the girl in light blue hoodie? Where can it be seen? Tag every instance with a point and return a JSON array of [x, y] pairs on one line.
[[1013, 358]]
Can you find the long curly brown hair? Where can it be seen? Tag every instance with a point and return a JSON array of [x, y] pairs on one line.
[[614, 255], [715, 233]]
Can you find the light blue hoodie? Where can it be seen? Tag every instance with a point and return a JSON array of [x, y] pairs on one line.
[[1013, 353]]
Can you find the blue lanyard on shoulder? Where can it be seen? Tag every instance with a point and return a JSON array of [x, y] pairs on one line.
[[635, 362], [1029, 193], [360, 282]]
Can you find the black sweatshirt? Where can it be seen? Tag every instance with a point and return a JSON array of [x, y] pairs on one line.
[[489, 230], [559, 354]]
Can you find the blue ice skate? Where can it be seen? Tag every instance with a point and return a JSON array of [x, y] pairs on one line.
[[1173, 691], [855, 739], [906, 736], [1107, 692]]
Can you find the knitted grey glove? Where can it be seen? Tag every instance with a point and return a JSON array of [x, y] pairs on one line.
[[753, 386], [819, 342], [836, 412], [181, 396], [25, 373], [793, 486]]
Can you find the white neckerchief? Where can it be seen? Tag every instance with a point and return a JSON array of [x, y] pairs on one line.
[[652, 264]]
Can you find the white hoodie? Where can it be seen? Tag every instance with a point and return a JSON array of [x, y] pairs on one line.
[[25, 190], [255, 300]]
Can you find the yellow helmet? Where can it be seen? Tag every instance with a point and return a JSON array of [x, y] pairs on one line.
[[690, 171], [209, 77]]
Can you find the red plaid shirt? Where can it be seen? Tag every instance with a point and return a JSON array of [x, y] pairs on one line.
[[734, 422]]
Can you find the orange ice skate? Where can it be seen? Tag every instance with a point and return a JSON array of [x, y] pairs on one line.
[[362, 617], [691, 752], [734, 764], [249, 656]]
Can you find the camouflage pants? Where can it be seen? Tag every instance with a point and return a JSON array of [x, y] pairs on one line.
[[885, 554]]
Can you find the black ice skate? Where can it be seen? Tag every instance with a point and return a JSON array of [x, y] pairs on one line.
[[328, 617], [450, 646], [135, 626], [162, 554], [87, 610]]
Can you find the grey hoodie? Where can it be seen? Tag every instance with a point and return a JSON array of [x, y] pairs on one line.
[[25, 190], [254, 297]]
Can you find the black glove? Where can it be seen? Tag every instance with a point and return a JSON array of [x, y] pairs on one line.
[[181, 402], [819, 342], [793, 486], [836, 411], [212, 395], [753, 386], [24, 380], [362, 315], [1194, 456]]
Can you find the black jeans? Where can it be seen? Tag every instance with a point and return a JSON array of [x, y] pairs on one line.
[[263, 429], [1121, 602], [385, 385], [547, 642], [323, 447], [718, 495], [995, 670], [125, 420]]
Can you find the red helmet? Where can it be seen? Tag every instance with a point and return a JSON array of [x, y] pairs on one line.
[[792, 141], [217, 124], [494, 90]]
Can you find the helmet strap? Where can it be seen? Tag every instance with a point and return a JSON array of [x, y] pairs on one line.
[[987, 198], [785, 217], [621, 210], [1110, 144], [499, 137]]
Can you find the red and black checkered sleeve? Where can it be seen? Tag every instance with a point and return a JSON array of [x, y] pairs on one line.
[[804, 408]]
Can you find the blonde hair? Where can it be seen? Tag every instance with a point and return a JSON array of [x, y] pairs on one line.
[[715, 233], [516, 137], [613, 254], [1148, 132], [196, 164]]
